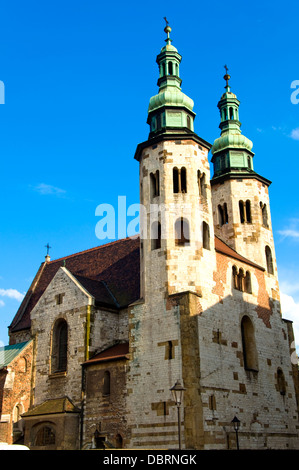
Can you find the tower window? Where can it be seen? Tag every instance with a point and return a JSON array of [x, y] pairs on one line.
[[154, 184], [245, 211], [156, 235], [248, 343], [248, 211], [183, 180], [201, 180], [170, 68], [188, 122], [249, 162], [205, 236], [181, 229], [231, 113], [264, 214], [269, 260], [179, 180], [222, 214]]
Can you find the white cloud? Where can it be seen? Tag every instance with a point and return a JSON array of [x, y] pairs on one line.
[[46, 189], [295, 134], [290, 311], [12, 294], [289, 233], [2, 303]]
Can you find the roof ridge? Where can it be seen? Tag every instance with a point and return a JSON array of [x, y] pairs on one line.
[[92, 249]]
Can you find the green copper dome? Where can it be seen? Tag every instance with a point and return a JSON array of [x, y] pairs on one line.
[[229, 140], [232, 151], [171, 98], [170, 110]]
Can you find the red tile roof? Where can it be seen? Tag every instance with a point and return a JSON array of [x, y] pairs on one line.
[[118, 351], [223, 248], [116, 265], [111, 273]]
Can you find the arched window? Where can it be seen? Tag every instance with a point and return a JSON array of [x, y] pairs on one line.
[[235, 278], [231, 113], [59, 346], [242, 214], [241, 277], [269, 260], [205, 236], [156, 235], [264, 214], [248, 343], [247, 283], [188, 122], [154, 184], [281, 383], [220, 215], [248, 211], [45, 436], [170, 68], [179, 180], [201, 180], [249, 162], [181, 228], [175, 175], [183, 180], [106, 383]]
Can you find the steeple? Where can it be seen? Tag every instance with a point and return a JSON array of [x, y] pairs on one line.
[[231, 151], [170, 111]]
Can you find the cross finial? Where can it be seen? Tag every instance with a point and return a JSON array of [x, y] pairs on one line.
[[167, 30], [226, 77], [48, 248]]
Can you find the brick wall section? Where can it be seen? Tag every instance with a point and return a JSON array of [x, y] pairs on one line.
[[15, 389]]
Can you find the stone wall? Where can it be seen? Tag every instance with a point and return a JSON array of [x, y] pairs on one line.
[[15, 391]]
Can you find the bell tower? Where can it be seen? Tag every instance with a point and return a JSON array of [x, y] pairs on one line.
[[176, 217], [240, 196]]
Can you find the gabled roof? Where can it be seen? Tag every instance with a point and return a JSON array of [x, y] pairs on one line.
[[223, 248], [110, 273], [54, 406], [115, 266], [9, 353]]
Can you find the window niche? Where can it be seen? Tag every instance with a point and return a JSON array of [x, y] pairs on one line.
[[249, 345], [241, 280], [222, 214], [182, 233], [201, 181], [245, 212], [154, 185], [269, 260], [179, 180], [205, 236], [59, 346]]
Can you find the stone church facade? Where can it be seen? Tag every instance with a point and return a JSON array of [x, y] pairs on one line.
[[194, 298]]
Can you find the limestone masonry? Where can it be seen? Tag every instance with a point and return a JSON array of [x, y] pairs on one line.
[[108, 331]]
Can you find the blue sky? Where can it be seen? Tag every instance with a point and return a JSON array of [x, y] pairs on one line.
[[78, 77]]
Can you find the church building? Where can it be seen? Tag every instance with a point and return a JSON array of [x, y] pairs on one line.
[[194, 299]]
